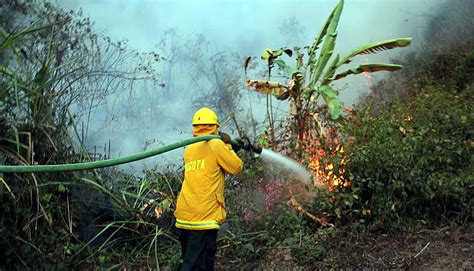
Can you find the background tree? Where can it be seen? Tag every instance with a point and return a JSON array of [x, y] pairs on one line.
[[212, 78]]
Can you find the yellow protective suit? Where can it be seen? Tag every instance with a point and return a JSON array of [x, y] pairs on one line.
[[200, 204]]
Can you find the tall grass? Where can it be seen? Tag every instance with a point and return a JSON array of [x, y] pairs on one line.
[[42, 214]]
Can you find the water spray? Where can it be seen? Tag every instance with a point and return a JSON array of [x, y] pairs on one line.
[[285, 162]]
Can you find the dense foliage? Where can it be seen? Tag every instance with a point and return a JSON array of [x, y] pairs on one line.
[[410, 146], [413, 162]]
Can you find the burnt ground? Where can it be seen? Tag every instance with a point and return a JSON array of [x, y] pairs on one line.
[[448, 248]]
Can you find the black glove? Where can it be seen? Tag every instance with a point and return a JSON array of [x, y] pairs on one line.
[[225, 137], [241, 143], [237, 144], [245, 143]]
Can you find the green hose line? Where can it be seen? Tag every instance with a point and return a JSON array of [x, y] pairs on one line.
[[108, 162]]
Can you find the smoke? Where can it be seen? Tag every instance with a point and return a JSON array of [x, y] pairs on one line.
[[451, 26], [244, 27]]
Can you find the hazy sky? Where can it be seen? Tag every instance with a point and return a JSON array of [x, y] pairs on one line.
[[247, 27]]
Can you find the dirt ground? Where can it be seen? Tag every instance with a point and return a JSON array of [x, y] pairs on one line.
[[449, 248], [445, 248]]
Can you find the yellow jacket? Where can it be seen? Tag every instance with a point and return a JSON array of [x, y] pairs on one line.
[[200, 204]]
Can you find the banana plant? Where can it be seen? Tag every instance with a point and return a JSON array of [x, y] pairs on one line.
[[311, 80]]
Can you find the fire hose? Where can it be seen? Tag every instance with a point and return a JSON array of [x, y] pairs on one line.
[[120, 160]]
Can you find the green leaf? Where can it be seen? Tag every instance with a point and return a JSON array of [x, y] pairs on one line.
[[322, 34], [271, 54], [373, 67], [249, 247], [3, 33], [334, 106], [283, 66], [375, 47], [165, 204], [327, 91], [328, 44], [10, 39], [5, 70], [47, 197], [266, 54], [330, 71], [277, 53]]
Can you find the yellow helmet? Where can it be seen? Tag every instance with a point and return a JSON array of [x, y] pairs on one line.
[[205, 116]]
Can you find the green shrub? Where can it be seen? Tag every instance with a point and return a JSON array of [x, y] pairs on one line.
[[413, 162], [307, 251]]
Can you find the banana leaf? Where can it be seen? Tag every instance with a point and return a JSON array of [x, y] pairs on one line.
[[329, 96], [327, 91], [373, 67], [334, 106], [322, 34], [283, 66], [267, 53], [272, 54], [328, 44], [372, 48], [330, 71], [267, 87]]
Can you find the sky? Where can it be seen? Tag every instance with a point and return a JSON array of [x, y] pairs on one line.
[[246, 23], [247, 27]]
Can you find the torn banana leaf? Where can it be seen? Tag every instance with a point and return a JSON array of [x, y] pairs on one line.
[[267, 87], [369, 68], [372, 48]]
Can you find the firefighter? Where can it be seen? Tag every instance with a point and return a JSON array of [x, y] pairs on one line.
[[200, 208]]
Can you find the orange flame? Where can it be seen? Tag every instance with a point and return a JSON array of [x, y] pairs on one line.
[[324, 171]]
